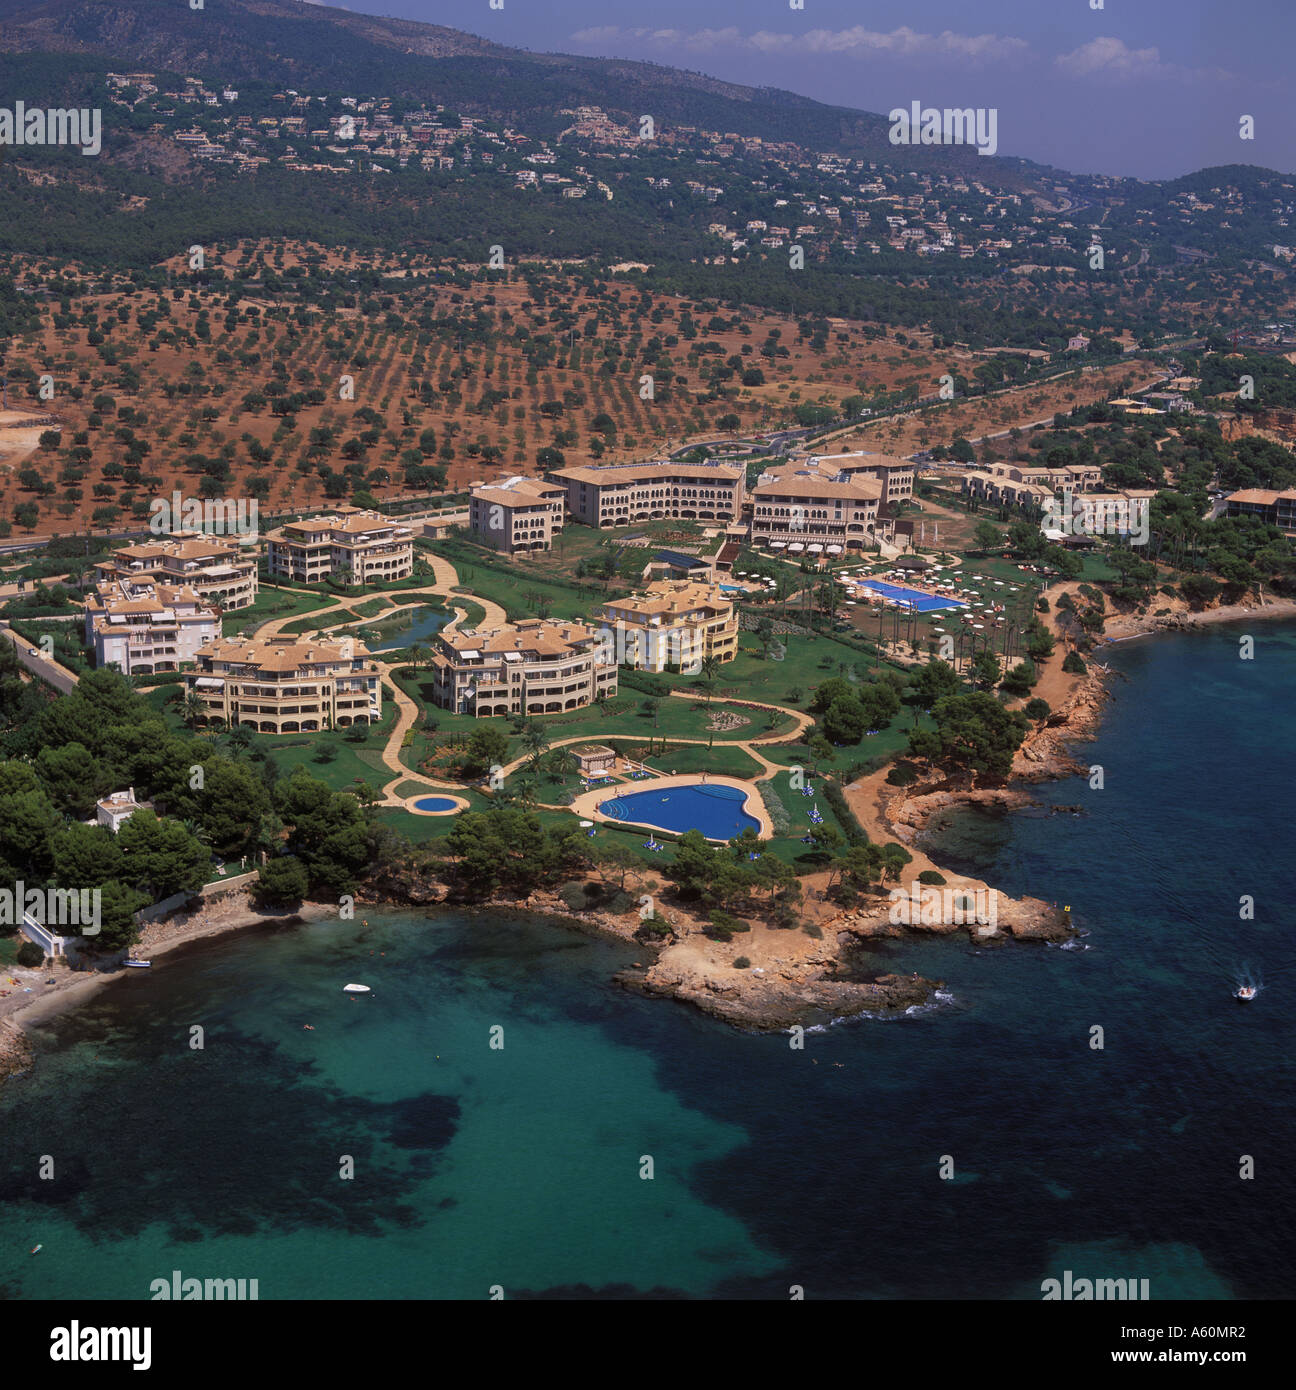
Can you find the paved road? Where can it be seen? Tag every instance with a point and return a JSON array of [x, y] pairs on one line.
[[45, 667]]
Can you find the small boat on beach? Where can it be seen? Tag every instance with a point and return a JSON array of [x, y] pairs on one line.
[[138, 964], [1245, 992], [356, 989]]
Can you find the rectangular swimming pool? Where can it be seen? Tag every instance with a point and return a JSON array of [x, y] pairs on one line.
[[921, 603]]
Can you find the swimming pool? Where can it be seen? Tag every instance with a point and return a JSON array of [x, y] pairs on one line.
[[922, 603], [435, 803], [733, 588], [717, 811]]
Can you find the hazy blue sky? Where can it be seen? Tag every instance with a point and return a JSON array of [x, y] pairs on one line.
[[1147, 87]]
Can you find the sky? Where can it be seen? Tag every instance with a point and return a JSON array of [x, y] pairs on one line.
[[1150, 88]]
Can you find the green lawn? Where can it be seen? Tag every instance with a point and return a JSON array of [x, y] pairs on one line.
[[274, 603]]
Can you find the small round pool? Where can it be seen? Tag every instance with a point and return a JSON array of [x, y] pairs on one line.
[[714, 809], [435, 803]]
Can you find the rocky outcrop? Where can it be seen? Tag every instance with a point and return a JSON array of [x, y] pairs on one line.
[[15, 1051], [773, 1002]]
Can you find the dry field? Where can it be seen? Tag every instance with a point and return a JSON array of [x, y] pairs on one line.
[[1016, 409], [177, 367]]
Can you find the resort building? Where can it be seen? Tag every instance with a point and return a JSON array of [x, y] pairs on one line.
[[812, 508], [141, 627], [536, 666], [1079, 477], [1003, 491], [621, 494], [362, 546], [895, 474], [518, 514], [217, 568], [674, 623], [287, 686], [1274, 508]]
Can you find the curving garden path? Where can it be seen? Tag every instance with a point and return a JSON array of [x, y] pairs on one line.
[[446, 586]]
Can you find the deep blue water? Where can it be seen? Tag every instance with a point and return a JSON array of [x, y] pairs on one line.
[[521, 1166], [714, 809]]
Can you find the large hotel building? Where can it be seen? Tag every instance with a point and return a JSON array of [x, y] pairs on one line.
[[217, 568], [517, 514], [623, 494], [537, 666], [366, 546], [287, 686], [810, 508], [676, 622]]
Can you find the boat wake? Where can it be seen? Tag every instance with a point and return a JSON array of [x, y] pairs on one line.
[[1247, 983]]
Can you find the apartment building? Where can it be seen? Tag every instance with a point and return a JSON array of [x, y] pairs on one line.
[[674, 622], [622, 494], [142, 627], [816, 510], [219, 569], [895, 474], [1003, 491], [1273, 508], [286, 685], [517, 514], [364, 546], [536, 666], [1079, 477]]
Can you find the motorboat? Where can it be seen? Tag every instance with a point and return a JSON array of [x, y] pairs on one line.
[[356, 989], [1245, 992]]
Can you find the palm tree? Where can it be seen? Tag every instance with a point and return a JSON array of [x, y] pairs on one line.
[[192, 708], [239, 737], [710, 667], [535, 740], [524, 790]]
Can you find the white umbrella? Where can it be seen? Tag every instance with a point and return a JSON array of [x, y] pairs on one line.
[[585, 824]]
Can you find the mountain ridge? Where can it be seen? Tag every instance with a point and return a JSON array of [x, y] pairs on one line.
[[288, 42]]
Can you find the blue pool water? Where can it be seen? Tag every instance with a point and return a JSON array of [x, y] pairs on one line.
[[732, 589], [923, 603], [435, 803], [717, 811]]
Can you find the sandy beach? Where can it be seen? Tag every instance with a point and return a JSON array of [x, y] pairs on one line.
[[1121, 627], [20, 1010]]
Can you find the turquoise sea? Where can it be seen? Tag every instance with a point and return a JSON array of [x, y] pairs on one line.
[[522, 1166]]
